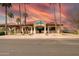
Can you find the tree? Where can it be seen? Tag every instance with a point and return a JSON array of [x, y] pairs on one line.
[[25, 14], [54, 14], [74, 19], [20, 13], [10, 15], [18, 21], [55, 17], [6, 6], [60, 14]]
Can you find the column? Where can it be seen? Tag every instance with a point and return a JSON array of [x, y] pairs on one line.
[[62, 28], [45, 29], [58, 30], [9, 31], [48, 29], [14, 30], [31, 30], [22, 30], [25, 30], [34, 29]]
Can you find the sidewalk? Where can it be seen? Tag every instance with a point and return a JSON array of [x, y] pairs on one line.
[[40, 36]]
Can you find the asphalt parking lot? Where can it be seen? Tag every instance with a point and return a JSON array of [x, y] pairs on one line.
[[39, 47]]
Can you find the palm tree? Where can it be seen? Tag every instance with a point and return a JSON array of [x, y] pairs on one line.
[[54, 14], [55, 17], [60, 15], [18, 21], [75, 20], [10, 15], [25, 14], [6, 6], [20, 13]]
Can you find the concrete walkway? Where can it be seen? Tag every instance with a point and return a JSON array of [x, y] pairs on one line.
[[41, 36]]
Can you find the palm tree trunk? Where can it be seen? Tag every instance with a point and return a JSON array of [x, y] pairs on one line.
[[20, 12], [60, 16], [55, 18], [25, 12], [6, 20], [20, 17]]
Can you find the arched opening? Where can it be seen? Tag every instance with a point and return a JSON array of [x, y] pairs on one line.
[[39, 29]]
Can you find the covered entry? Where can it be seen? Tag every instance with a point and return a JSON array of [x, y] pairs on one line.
[[39, 27]]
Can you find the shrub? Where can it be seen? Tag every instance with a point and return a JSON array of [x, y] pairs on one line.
[[66, 31], [2, 33]]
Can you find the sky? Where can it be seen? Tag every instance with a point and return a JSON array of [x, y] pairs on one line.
[[44, 12]]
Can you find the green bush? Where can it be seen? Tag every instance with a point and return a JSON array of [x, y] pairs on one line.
[[66, 31], [75, 32], [2, 33]]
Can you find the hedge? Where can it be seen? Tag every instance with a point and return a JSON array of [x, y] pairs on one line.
[[2, 33]]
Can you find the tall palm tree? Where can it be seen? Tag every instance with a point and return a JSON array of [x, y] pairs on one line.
[[55, 17], [20, 17], [18, 20], [20, 12], [10, 15], [75, 20], [6, 6], [54, 14], [60, 15], [25, 14]]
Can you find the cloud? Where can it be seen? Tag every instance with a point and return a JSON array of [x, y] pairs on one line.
[[43, 11]]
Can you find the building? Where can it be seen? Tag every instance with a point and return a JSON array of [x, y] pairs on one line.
[[35, 28]]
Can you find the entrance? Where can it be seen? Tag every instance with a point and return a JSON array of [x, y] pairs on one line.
[[39, 29], [51, 29]]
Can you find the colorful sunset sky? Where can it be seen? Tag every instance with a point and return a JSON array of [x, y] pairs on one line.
[[44, 12]]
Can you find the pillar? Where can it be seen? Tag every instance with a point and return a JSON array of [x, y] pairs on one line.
[[58, 30], [14, 30], [31, 30], [22, 30], [34, 30], [45, 29], [48, 29], [9, 31]]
